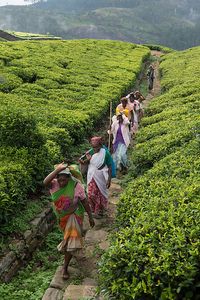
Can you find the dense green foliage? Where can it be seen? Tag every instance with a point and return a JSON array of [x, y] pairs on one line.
[[154, 253], [175, 24], [52, 94]]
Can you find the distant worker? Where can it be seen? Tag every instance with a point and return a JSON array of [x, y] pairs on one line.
[[140, 98], [135, 106], [150, 76]]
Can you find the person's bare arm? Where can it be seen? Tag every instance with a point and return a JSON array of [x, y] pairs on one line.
[[109, 177], [88, 210]]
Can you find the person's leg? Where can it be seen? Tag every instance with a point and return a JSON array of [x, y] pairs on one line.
[[68, 257]]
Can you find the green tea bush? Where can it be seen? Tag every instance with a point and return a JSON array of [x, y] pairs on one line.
[[19, 129], [15, 180], [9, 82], [154, 251], [52, 94]]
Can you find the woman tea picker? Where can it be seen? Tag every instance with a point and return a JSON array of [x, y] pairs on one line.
[[98, 176], [69, 203], [121, 140]]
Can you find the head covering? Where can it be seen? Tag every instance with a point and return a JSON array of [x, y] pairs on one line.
[[75, 172], [65, 171], [96, 141]]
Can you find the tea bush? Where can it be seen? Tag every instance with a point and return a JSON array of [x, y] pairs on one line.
[[154, 252], [52, 94]]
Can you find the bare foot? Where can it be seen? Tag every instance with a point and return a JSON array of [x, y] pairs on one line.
[[65, 275]]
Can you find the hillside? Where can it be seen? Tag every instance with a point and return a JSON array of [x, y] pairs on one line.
[[154, 251], [55, 92], [174, 24]]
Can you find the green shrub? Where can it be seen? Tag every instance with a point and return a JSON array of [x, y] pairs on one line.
[[52, 94], [15, 181], [9, 82], [18, 129], [154, 252]]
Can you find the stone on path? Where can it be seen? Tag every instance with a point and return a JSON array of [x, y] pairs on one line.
[[115, 187], [89, 281], [53, 294], [76, 292], [58, 282]]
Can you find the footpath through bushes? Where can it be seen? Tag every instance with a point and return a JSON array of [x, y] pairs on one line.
[[154, 253], [52, 94]]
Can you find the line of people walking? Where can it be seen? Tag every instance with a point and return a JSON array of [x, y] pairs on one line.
[[124, 126], [70, 199]]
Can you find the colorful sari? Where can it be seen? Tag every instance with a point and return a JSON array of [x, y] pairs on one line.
[[70, 212], [97, 178], [120, 150]]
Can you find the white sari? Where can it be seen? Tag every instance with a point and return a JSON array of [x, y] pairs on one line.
[[99, 176]]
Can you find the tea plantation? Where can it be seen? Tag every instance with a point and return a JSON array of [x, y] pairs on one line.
[[52, 95], [155, 250]]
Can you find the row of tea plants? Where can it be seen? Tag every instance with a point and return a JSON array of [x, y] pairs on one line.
[[52, 95], [154, 253]]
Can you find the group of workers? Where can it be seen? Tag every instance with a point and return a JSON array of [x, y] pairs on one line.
[[69, 198], [124, 125]]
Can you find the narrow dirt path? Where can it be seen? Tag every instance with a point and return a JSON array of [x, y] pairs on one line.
[[156, 86], [84, 270]]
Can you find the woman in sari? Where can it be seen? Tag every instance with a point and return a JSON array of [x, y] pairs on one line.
[[121, 140], [98, 176], [69, 203], [135, 107]]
